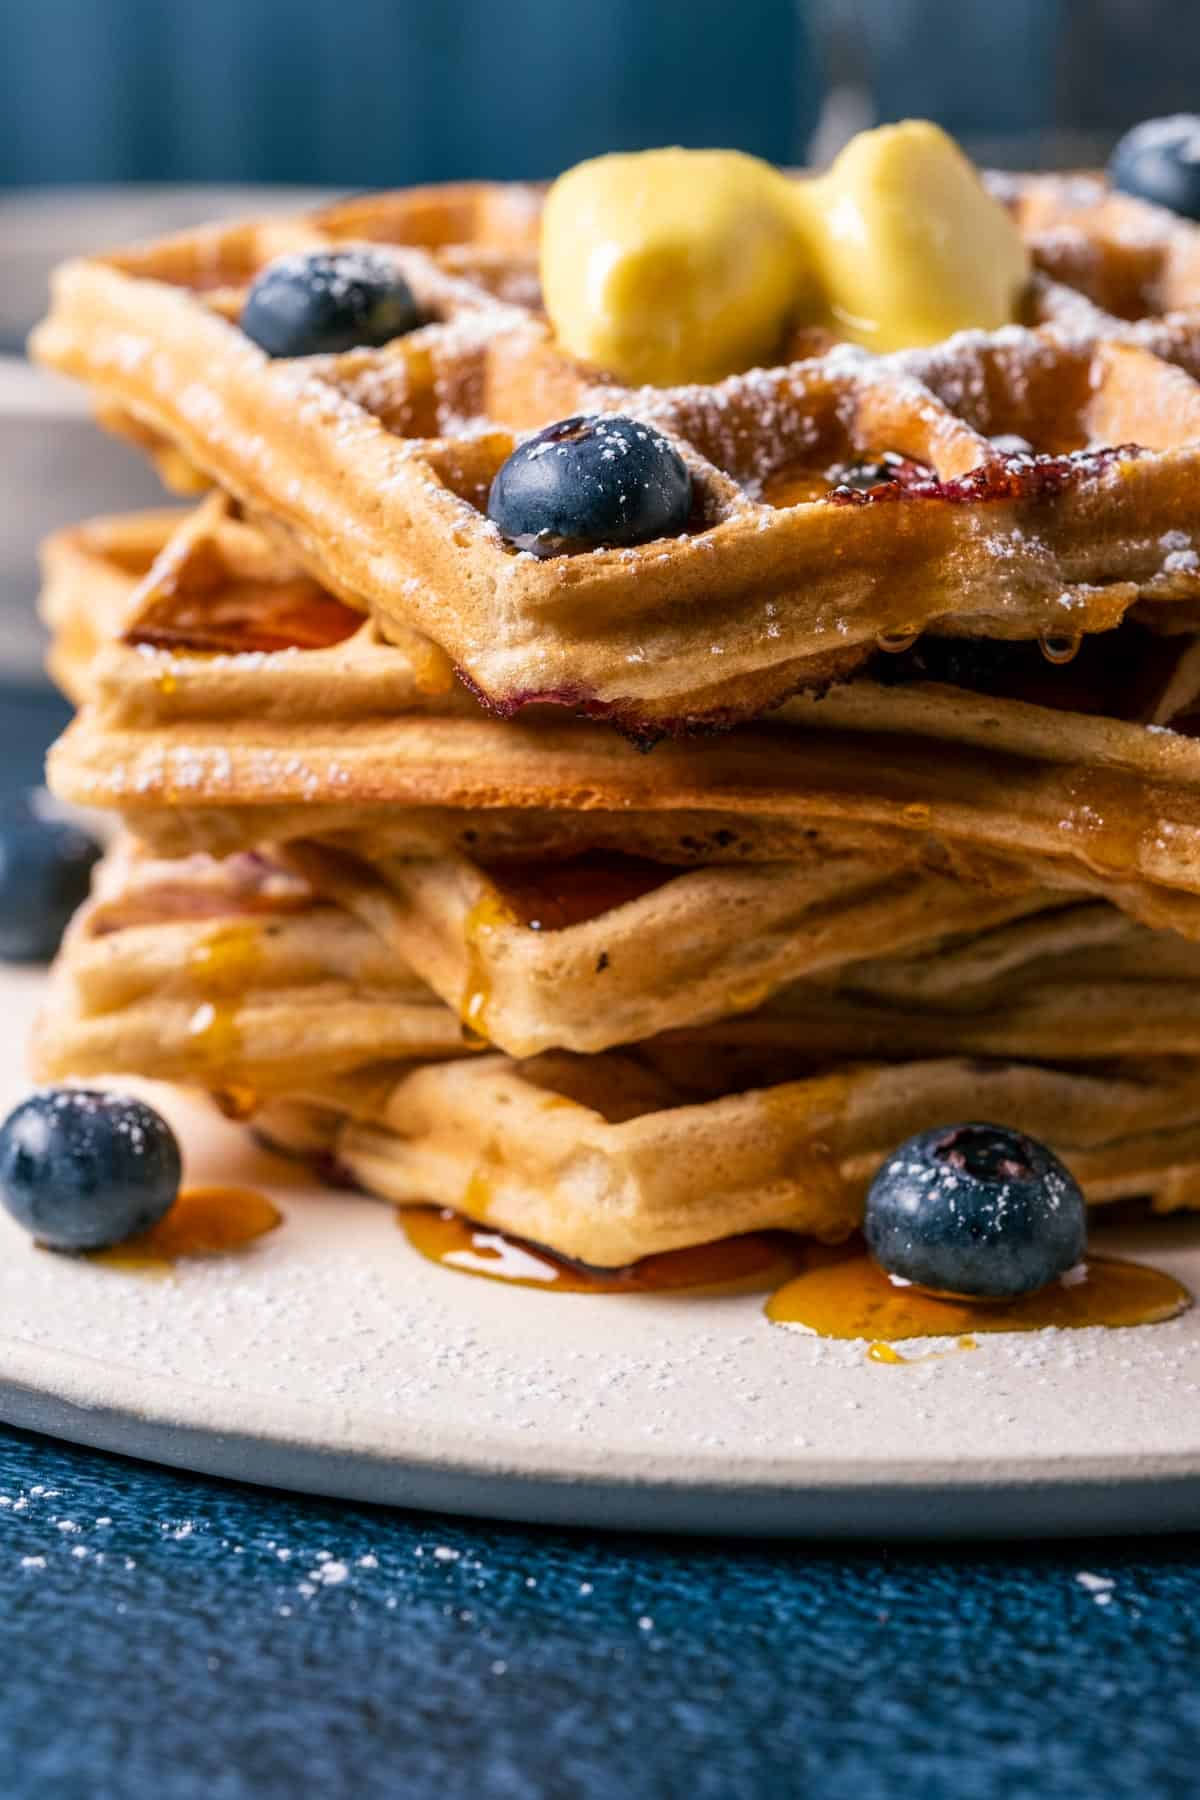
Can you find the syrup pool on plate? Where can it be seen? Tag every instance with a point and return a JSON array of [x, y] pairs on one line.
[[854, 1298], [832, 1290], [751, 1264], [204, 1221]]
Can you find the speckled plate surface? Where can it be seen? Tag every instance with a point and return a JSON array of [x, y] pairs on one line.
[[332, 1359]]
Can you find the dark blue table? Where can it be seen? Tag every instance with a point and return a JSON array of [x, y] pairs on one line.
[[179, 1639], [166, 1636]]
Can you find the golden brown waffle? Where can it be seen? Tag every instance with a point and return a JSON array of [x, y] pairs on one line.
[[374, 466], [604, 950], [214, 588], [1052, 779], [1001, 792], [90, 577], [610, 1158], [1130, 259], [210, 965], [236, 977], [229, 975], [1068, 983]]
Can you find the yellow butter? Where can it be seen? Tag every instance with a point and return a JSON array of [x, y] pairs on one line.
[[910, 245], [670, 266]]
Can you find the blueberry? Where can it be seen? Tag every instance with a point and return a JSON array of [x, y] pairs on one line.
[[326, 301], [45, 871], [975, 1210], [1159, 160], [590, 481], [83, 1170]]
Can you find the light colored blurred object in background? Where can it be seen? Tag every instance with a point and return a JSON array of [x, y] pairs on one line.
[[40, 227], [55, 465]]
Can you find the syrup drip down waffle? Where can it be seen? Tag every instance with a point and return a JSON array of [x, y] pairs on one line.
[[231, 976]]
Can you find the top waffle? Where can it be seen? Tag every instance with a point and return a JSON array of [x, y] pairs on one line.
[[374, 465]]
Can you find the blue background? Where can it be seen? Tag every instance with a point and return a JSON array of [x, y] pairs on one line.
[[388, 91], [385, 92]]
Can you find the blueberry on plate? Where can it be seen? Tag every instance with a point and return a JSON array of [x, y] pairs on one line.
[[585, 482], [45, 872], [83, 1170], [326, 301], [976, 1210], [1159, 160]]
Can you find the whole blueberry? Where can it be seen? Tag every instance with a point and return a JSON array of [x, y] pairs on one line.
[[45, 872], [976, 1210], [327, 301], [590, 481], [83, 1170], [1159, 160]]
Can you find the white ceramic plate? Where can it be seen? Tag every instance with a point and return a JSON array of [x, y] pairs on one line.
[[330, 1358]]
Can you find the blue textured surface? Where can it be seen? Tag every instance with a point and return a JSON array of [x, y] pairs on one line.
[[166, 1638], [189, 1646]]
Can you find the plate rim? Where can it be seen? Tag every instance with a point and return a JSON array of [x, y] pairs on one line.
[[1059, 1495]]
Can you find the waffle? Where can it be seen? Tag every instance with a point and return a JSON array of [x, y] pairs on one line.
[[239, 978], [1130, 259], [1065, 984], [606, 1159], [90, 579], [224, 718], [603, 950], [373, 466], [228, 975], [168, 957]]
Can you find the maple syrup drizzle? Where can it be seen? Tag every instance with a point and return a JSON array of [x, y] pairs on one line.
[[215, 1033], [553, 896], [236, 1103], [853, 1298], [246, 616], [739, 1265], [1105, 817], [834, 1290], [225, 961], [222, 966], [488, 913], [796, 486], [799, 483], [204, 1221], [546, 896]]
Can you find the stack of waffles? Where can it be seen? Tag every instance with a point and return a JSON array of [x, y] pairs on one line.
[[630, 899]]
